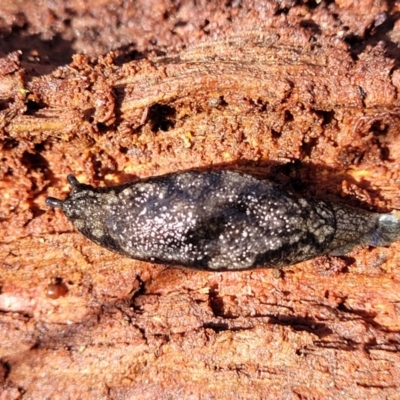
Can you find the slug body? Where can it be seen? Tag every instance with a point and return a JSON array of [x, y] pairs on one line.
[[219, 221]]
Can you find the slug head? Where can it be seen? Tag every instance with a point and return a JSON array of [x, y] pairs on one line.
[[88, 209], [57, 203]]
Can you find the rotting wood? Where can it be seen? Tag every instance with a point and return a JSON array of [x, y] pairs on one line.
[[281, 104]]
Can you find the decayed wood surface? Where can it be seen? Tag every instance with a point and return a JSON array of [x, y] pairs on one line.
[[300, 108]]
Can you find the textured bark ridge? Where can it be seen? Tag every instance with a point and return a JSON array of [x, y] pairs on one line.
[[306, 95]]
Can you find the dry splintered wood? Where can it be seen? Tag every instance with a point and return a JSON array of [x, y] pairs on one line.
[[284, 103]]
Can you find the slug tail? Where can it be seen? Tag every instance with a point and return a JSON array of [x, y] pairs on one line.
[[380, 230], [387, 231]]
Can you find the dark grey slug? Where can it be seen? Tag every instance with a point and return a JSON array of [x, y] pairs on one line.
[[219, 221]]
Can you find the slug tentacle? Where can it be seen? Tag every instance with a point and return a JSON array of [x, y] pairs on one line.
[[219, 220], [53, 202], [73, 181]]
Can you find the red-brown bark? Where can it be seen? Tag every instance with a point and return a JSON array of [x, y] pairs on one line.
[[304, 94]]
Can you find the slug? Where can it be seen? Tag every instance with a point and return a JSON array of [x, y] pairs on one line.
[[219, 221]]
